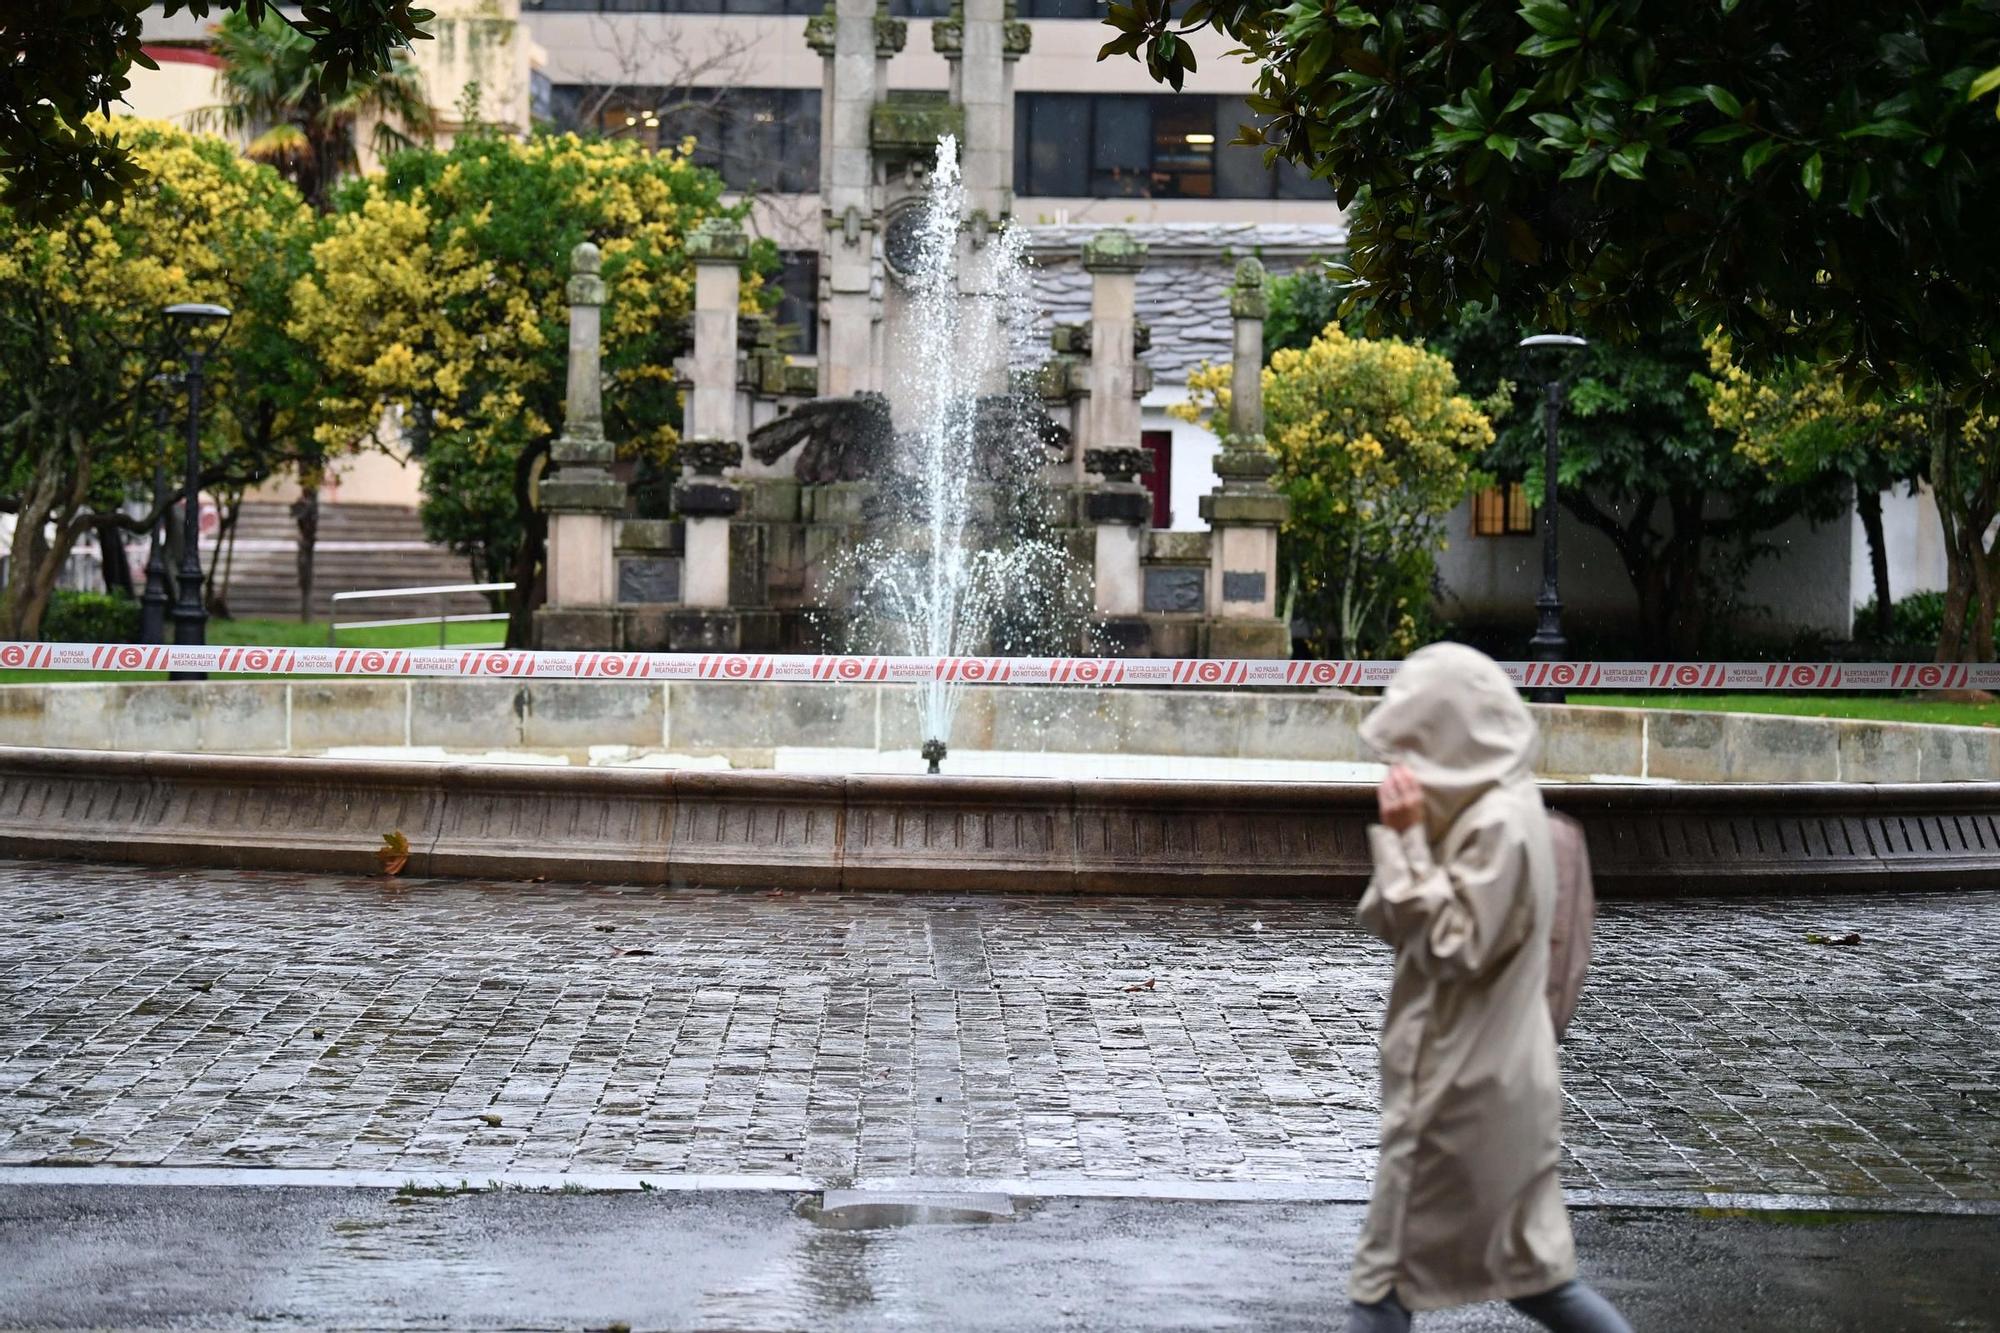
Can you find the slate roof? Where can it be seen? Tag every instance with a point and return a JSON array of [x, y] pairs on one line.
[[1184, 288]]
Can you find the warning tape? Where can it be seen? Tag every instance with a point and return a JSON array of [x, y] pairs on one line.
[[806, 669]]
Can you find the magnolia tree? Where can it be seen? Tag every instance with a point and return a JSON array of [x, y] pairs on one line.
[[81, 339], [1375, 446], [438, 299]]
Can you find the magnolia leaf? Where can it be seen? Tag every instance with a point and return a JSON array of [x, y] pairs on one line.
[[1723, 100], [394, 853], [1810, 175]]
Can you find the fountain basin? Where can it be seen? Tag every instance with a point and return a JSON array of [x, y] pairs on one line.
[[771, 830]]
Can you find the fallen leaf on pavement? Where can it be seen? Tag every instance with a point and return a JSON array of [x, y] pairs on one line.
[[1147, 984], [491, 1119], [1851, 937], [635, 953], [394, 853]]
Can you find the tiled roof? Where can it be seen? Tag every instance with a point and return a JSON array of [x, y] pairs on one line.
[[1184, 288]]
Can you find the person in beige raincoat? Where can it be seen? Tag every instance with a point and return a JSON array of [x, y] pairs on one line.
[[1467, 1206]]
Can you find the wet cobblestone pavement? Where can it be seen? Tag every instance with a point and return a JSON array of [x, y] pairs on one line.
[[226, 1019]]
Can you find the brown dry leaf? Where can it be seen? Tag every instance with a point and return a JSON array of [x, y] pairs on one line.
[[394, 853], [1147, 984], [635, 953]]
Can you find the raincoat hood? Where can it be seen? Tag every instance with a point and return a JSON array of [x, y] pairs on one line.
[[1455, 719]]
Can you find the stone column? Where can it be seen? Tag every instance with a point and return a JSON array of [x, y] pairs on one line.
[[1109, 416], [856, 39], [705, 498], [581, 498], [982, 39], [1244, 512], [1120, 509]]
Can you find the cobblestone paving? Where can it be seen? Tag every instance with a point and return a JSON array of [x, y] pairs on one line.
[[228, 1019]]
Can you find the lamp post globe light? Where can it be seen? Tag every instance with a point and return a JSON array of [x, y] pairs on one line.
[[1556, 356], [194, 329], [153, 604]]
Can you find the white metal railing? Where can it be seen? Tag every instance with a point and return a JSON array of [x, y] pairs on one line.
[[443, 621]]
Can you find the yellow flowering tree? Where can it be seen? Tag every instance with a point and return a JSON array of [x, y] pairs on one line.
[[1805, 422], [1375, 447], [81, 338], [439, 296]]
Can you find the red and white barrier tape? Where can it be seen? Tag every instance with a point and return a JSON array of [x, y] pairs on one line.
[[807, 669]]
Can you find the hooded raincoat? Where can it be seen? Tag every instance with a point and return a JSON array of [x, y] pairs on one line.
[[1467, 1206]]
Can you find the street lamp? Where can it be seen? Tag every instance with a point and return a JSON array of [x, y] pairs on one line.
[[1558, 361], [153, 604], [194, 329]]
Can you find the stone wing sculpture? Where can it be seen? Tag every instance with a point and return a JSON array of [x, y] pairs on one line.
[[845, 439]]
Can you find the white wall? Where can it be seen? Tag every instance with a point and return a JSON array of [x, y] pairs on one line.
[[1915, 542], [1493, 581], [1194, 453]]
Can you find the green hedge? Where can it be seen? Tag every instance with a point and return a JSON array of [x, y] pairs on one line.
[[90, 617]]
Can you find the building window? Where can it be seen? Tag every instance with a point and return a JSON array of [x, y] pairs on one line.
[[1503, 511], [801, 7], [1117, 146], [763, 139], [798, 306], [908, 9]]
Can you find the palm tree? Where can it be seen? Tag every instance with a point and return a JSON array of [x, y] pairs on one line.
[[269, 84], [270, 88]]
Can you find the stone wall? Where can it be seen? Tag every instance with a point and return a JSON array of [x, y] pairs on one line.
[[743, 723]]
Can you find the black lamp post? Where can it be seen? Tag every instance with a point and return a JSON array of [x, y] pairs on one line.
[[153, 603], [195, 330], [1558, 361]]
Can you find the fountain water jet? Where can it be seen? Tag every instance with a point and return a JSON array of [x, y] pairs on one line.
[[963, 570]]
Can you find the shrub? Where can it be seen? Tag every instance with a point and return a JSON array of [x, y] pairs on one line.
[[89, 617], [1915, 622]]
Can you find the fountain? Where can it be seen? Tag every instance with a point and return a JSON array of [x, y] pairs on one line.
[[964, 565]]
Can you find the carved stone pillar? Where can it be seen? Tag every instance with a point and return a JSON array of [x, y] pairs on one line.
[[1244, 512], [582, 498], [855, 38], [1109, 417], [1120, 509], [705, 498]]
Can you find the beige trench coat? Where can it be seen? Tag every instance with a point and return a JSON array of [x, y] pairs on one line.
[[1467, 1206]]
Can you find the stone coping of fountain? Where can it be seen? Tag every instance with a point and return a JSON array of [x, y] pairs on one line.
[[774, 830], [746, 723]]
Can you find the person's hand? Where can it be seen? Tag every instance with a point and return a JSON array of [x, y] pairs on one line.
[[1400, 799]]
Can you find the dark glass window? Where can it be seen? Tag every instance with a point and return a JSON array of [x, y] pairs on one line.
[[1054, 136], [1063, 9], [920, 9], [1112, 145], [798, 307], [757, 138], [1121, 147], [675, 6]]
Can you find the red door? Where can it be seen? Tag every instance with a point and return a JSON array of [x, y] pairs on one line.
[[1160, 481]]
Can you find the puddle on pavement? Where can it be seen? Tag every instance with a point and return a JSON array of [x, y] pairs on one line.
[[874, 1210]]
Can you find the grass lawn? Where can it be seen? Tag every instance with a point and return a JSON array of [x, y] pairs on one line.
[[292, 634], [1873, 707]]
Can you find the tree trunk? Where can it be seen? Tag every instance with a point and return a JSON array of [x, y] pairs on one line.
[[34, 565], [223, 562], [1868, 504], [305, 512], [117, 568], [529, 558]]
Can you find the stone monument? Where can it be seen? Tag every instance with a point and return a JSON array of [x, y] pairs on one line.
[[581, 498], [1244, 512]]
